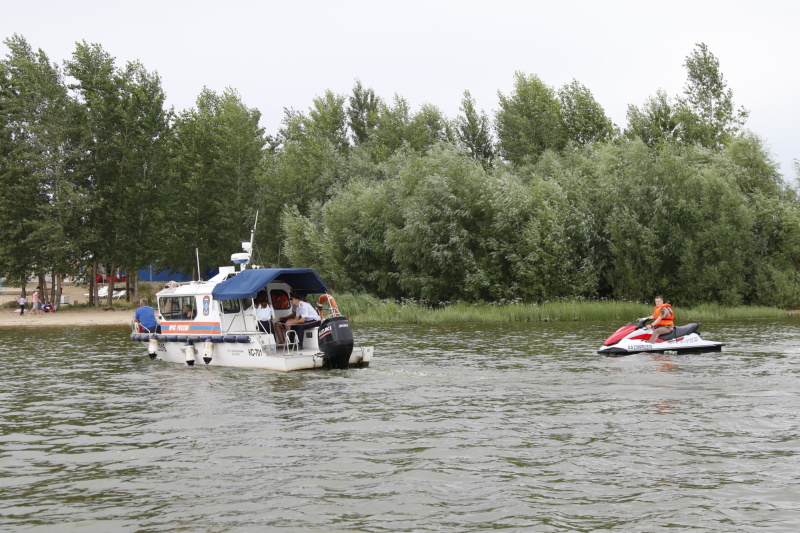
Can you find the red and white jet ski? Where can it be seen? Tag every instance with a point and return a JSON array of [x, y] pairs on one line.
[[635, 338]]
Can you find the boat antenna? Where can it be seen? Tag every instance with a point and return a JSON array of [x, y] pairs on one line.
[[197, 255], [253, 232]]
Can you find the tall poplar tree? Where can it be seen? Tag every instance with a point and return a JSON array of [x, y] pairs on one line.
[[40, 209], [212, 194], [473, 129], [123, 128], [362, 113], [708, 113]]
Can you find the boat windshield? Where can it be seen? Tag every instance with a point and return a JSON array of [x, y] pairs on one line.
[[177, 307], [236, 305]]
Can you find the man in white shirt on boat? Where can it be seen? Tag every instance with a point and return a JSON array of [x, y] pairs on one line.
[[305, 318]]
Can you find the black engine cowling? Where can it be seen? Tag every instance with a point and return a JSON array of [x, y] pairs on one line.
[[335, 341]]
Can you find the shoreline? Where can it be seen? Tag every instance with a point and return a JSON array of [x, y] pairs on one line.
[[67, 315], [374, 313], [67, 318]]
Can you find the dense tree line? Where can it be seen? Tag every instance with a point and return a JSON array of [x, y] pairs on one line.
[[546, 199]]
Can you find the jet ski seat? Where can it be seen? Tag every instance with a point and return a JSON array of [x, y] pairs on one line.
[[680, 331]]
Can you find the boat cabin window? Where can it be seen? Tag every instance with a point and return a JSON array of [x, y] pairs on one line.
[[280, 299], [178, 307], [231, 306]]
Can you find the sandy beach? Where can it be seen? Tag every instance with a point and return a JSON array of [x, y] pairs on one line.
[[66, 316]]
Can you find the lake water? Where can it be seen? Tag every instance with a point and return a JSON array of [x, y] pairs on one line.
[[519, 427]]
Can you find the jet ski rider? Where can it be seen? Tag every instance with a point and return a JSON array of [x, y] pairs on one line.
[[663, 319]]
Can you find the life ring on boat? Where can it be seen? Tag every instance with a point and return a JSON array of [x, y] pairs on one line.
[[327, 299]]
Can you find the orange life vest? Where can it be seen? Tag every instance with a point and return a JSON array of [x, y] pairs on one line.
[[668, 320]]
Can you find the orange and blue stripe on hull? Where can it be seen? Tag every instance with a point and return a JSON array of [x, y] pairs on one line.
[[191, 328]]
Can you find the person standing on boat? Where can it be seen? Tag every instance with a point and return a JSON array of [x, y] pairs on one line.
[[264, 315], [307, 317], [145, 318], [663, 319]]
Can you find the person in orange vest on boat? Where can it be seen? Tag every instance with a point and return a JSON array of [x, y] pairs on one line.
[[663, 319]]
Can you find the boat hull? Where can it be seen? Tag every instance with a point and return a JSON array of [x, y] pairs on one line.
[[689, 344], [247, 352], [620, 351]]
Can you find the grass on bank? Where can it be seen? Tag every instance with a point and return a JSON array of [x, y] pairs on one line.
[[365, 309]]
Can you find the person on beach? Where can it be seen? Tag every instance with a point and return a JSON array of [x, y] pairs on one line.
[[663, 319], [36, 303], [145, 318], [21, 303]]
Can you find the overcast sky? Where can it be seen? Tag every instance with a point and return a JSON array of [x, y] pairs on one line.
[[282, 54]]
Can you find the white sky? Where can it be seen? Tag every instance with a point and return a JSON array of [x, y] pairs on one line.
[[282, 54]]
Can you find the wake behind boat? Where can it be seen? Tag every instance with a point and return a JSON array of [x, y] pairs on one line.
[[635, 338]]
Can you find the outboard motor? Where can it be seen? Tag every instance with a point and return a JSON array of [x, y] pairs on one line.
[[335, 342]]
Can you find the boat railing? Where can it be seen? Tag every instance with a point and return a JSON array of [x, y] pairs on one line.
[[292, 342]]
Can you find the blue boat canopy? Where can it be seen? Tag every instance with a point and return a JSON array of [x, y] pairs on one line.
[[247, 283]]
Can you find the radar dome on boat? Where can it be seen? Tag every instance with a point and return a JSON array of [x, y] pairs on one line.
[[240, 258]]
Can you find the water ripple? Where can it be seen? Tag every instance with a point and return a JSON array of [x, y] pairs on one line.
[[466, 428]]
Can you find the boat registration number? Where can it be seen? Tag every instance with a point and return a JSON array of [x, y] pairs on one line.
[[255, 352]]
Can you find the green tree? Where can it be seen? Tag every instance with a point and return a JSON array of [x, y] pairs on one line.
[[529, 120], [212, 194], [525, 249], [307, 166], [40, 206], [123, 127], [673, 222], [755, 171], [357, 221], [362, 113], [704, 115], [391, 129], [775, 275], [303, 242], [440, 197], [711, 248], [708, 113], [429, 127], [585, 121], [656, 122], [327, 119], [143, 137], [96, 90], [474, 132]]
